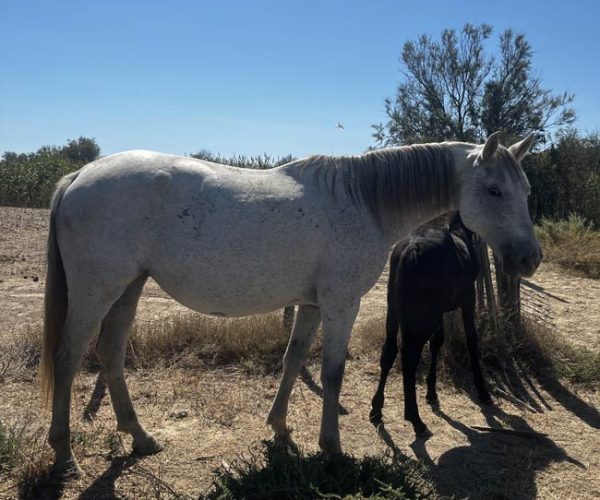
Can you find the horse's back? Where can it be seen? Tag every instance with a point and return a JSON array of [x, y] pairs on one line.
[[217, 238], [431, 266]]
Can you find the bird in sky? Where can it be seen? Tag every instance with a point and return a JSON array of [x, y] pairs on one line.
[[338, 125]]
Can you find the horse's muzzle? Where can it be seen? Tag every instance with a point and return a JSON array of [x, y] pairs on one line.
[[521, 260]]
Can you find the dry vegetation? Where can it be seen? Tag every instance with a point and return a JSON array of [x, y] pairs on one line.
[[204, 386], [571, 243]]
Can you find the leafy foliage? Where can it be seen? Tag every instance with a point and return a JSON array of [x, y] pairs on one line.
[[28, 180], [565, 178], [263, 162], [453, 90]]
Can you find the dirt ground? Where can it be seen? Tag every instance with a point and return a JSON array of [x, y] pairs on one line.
[[226, 408]]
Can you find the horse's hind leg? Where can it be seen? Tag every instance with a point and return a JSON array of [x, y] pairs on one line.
[[111, 348], [84, 314], [412, 345], [435, 344], [388, 355], [303, 334]]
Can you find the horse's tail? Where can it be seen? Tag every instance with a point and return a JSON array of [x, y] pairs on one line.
[[55, 297]]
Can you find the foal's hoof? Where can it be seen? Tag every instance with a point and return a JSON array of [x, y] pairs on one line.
[[147, 446], [432, 399], [66, 470]]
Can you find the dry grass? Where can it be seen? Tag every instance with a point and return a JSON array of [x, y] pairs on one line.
[[571, 243], [166, 353], [256, 343], [535, 346]]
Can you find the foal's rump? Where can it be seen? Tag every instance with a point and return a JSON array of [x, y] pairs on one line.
[[218, 239]]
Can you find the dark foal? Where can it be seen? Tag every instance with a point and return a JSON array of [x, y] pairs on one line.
[[432, 271]]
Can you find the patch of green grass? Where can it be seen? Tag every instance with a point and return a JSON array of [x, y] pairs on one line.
[[9, 446], [272, 472]]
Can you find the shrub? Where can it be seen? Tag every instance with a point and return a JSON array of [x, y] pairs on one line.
[[272, 472], [572, 243]]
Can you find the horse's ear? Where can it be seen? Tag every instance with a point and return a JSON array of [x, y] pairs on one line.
[[490, 146], [521, 148]]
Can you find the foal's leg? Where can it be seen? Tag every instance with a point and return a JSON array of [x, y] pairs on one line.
[[435, 344], [412, 346], [111, 352], [338, 319], [84, 314], [468, 314], [388, 355], [303, 334]]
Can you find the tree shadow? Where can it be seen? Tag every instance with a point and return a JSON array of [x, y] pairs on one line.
[[521, 376], [492, 465], [571, 402]]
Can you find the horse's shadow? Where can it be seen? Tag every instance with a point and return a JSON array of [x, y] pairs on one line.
[[99, 392], [104, 485], [492, 465]]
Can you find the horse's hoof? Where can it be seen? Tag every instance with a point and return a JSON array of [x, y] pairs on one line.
[[285, 442], [432, 399], [330, 447], [148, 446], [66, 471]]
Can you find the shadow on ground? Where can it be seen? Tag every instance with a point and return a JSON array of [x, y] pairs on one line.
[[500, 462]]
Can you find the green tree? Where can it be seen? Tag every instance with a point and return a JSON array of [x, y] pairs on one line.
[[81, 151], [452, 89], [29, 180]]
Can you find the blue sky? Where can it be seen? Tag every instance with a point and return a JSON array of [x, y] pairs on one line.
[[247, 77]]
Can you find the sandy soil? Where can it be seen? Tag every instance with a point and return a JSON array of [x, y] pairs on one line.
[[226, 408]]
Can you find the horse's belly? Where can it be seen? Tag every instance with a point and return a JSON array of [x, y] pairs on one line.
[[224, 292]]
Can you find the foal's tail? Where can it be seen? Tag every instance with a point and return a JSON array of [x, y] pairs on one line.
[[55, 298]]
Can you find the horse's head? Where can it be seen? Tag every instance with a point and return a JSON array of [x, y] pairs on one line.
[[493, 203]]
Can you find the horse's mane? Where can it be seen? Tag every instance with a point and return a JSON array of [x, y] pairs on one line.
[[393, 182]]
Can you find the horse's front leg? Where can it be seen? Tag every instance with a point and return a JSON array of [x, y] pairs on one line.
[[338, 319], [303, 334], [468, 314]]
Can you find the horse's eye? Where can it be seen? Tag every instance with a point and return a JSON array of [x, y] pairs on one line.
[[494, 192]]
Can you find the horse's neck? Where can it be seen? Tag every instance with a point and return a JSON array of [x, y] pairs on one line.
[[417, 216]]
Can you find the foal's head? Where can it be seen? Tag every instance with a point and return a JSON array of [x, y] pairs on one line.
[[493, 203]]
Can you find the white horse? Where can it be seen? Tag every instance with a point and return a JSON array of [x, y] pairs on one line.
[[230, 242]]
